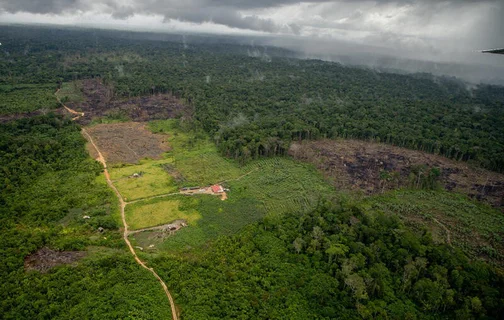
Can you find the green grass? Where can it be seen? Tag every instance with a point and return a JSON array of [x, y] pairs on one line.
[[154, 180], [282, 185], [475, 227], [208, 217], [195, 156], [27, 98], [160, 211], [271, 186]]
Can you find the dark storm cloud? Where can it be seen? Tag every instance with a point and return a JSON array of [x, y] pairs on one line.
[[57, 6], [246, 14], [45, 6], [224, 12]]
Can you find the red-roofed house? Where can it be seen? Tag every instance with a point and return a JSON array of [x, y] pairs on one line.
[[217, 188]]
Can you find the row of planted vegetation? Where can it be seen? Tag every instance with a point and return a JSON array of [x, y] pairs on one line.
[[325, 256]]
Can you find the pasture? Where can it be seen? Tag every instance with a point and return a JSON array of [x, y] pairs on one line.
[[160, 211], [152, 179], [264, 187]]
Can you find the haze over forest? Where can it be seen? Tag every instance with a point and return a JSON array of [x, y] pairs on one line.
[[438, 37]]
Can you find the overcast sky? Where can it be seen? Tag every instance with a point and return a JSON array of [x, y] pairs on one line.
[[433, 29]]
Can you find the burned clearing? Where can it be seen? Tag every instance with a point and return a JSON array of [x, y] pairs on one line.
[[374, 168], [128, 142], [99, 100], [45, 259]]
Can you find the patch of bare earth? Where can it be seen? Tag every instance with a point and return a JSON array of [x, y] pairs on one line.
[[45, 259], [100, 100], [357, 165], [127, 142]]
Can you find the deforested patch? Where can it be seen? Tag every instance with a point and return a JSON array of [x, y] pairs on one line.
[[45, 259], [128, 142]]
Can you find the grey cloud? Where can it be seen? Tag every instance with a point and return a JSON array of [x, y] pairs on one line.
[[224, 16], [58, 6], [45, 6], [491, 34], [225, 12], [342, 16]]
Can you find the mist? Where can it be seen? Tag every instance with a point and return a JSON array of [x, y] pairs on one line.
[[438, 37]]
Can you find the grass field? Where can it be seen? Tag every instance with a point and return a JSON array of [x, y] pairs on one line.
[[153, 179], [282, 185], [271, 186], [208, 218], [27, 98], [195, 156], [161, 211]]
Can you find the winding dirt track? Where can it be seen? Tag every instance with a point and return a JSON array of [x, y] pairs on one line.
[[126, 232], [76, 113], [123, 204]]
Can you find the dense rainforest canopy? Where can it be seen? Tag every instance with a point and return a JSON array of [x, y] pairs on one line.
[[254, 101], [335, 262]]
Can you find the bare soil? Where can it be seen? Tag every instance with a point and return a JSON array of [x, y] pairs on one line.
[[45, 259], [127, 142], [100, 101], [356, 165]]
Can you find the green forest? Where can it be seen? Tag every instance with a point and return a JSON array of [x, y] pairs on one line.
[[48, 182], [336, 262], [343, 256], [255, 106]]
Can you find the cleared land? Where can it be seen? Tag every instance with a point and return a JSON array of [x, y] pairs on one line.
[[274, 186], [158, 212], [359, 165], [267, 187], [99, 103], [147, 179], [127, 142], [196, 161], [45, 259]]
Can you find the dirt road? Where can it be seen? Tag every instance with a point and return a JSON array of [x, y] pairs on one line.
[[126, 232], [76, 113]]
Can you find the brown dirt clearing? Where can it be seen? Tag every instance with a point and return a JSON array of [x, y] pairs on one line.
[[356, 165], [127, 142], [100, 100], [45, 259]]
